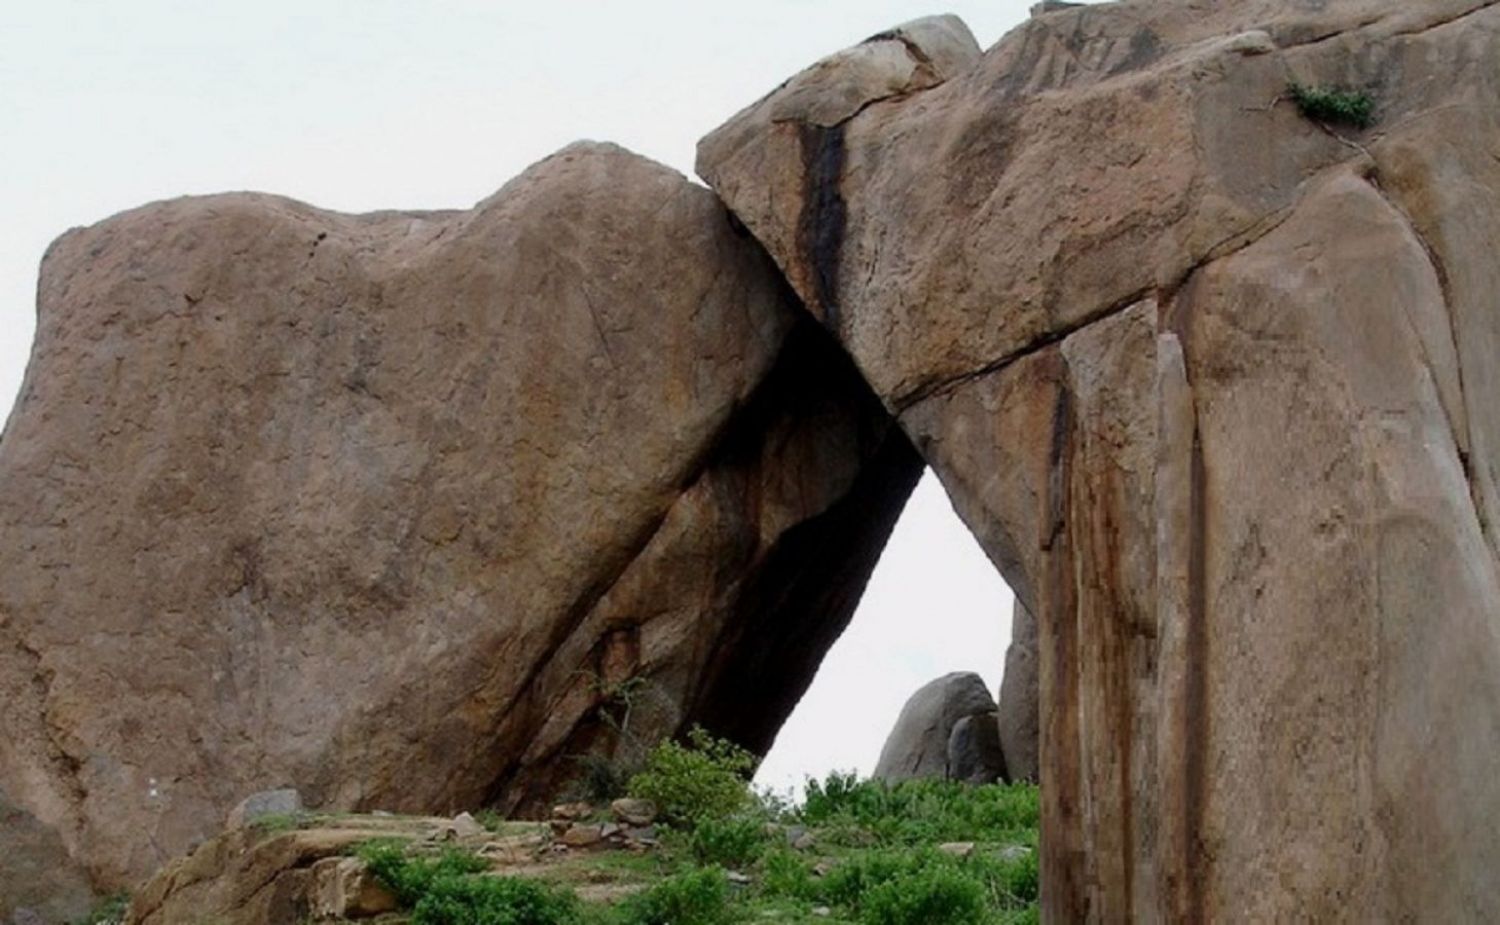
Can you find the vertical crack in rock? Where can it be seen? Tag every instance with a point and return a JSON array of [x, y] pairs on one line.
[[1195, 712], [1064, 861], [1193, 737], [1462, 441], [820, 226]]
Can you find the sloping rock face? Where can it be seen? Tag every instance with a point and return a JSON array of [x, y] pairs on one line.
[[392, 508], [1211, 383], [918, 744]]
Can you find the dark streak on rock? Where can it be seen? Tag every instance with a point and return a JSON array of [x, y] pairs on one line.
[[820, 227], [1191, 860], [1195, 711], [1064, 875]]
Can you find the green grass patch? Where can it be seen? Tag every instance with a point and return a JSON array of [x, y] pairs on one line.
[[873, 857]]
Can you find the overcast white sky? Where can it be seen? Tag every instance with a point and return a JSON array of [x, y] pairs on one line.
[[365, 104]]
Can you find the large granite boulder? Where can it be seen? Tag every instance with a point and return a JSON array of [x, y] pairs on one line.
[[396, 508], [974, 752], [1211, 381], [917, 746]]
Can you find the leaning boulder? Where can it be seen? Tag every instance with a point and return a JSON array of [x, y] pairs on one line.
[[404, 510], [918, 744]]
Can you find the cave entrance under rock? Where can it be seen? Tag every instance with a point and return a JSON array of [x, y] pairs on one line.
[[934, 604]]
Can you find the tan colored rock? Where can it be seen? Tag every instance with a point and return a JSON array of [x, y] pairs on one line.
[[249, 877], [344, 888], [582, 835], [633, 812], [1209, 383], [394, 508]]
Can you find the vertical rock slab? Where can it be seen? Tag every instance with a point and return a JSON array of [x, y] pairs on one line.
[[388, 507], [1205, 379], [1018, 703]]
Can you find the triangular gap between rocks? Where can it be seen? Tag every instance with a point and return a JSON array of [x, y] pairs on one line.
[[934, 605]]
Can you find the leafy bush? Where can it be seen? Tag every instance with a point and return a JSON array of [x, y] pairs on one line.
[[786, 873], [706, 779], [927, 896], [471, 900], [695, 897], [733, 842], [410, 876], [895, 886], [1327, 104]]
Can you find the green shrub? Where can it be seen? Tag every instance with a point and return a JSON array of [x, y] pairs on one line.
[[706, 779], [927, 896], [1328, 104], [786, 873], [108, 911], [473, 900], [410, 876], [695, 897], [733, 842]]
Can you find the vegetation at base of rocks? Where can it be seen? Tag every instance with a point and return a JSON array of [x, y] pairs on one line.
[[734, 842], [601, 779], [1334, 106], [411, 876], [699, 896], [853, 852], [921, 811], [707, 778], [108, 911], [274, 823]]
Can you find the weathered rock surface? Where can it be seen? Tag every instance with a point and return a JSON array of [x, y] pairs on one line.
[[39, 881], [1019, 707], [249, 876], [407, 509], [974, 755], [1211, 383], [256, 806], [918, 744]]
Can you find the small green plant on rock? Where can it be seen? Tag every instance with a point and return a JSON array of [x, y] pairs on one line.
[[1333, 106], [109, 911]]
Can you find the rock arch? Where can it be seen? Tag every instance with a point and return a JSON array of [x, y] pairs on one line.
[[1204, 378]]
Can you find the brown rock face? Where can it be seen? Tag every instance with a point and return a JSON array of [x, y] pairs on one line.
[[390, 508], [1210, 383]]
